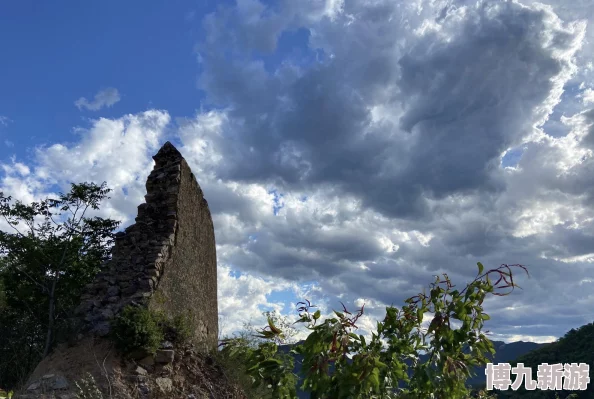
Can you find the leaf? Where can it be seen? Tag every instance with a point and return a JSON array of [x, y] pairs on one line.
[[480, 267], [432, 325], [317, 315], [374, 379], [273, 328]]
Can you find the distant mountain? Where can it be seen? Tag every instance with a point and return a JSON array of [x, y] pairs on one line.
[[577, 346], [505, 353]]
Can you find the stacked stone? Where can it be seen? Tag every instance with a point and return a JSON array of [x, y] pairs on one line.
[[140, 252]]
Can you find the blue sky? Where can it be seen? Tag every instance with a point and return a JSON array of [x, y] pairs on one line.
[[349, 150], [61, 53]]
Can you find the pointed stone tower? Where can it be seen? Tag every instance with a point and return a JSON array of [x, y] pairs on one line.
[[166, 260]]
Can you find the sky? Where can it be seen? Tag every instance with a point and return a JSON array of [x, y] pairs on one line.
[[349, 150]]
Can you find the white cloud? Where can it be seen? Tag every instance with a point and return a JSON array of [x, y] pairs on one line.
[[4, 120], [243, 298], [104, 98], [588, 97], [116, 151]]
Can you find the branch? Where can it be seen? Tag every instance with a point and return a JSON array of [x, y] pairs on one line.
[[11, 225], [24, 236], [43, 287]]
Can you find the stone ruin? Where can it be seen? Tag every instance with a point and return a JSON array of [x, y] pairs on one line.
[[166, 260]]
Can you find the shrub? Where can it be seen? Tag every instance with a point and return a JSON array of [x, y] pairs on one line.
[[236, 372], [338, 363], [235, 357], [137, 328], [177, 329]]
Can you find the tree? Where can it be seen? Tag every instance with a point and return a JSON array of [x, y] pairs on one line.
[[53, 249], [338, 363]]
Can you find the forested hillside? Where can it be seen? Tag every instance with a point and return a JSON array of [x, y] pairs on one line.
[[577, 346]]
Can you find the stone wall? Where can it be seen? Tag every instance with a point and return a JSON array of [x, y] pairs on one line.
[[166, 260]]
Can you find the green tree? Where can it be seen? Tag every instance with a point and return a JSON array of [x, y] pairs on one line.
[[51, 251], [338, 363]]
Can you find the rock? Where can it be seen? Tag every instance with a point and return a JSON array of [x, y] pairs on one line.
[[129, 290], [164, 384], [107, 314], [60, 383], [34, 386], [113, 291], [152, 272], [102, 329], [137, 378], [139, 354], [83, 307], [164, 356], [147, 361], [137, 295], [144, 390], [164, 368], [140, 371]]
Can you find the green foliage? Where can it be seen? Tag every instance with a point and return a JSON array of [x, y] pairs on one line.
[[53, 249], [176, 329], [236, 354], [86, 388], [338, 363], [2, 297], [21, 346], [236, 372], [137, 328], [270, 371]]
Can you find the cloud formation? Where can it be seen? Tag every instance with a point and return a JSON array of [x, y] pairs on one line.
[[393, 141], [386, 140], [104, 98]]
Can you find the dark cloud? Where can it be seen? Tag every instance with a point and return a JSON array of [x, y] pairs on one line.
[[395, 134], [463, 94]]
